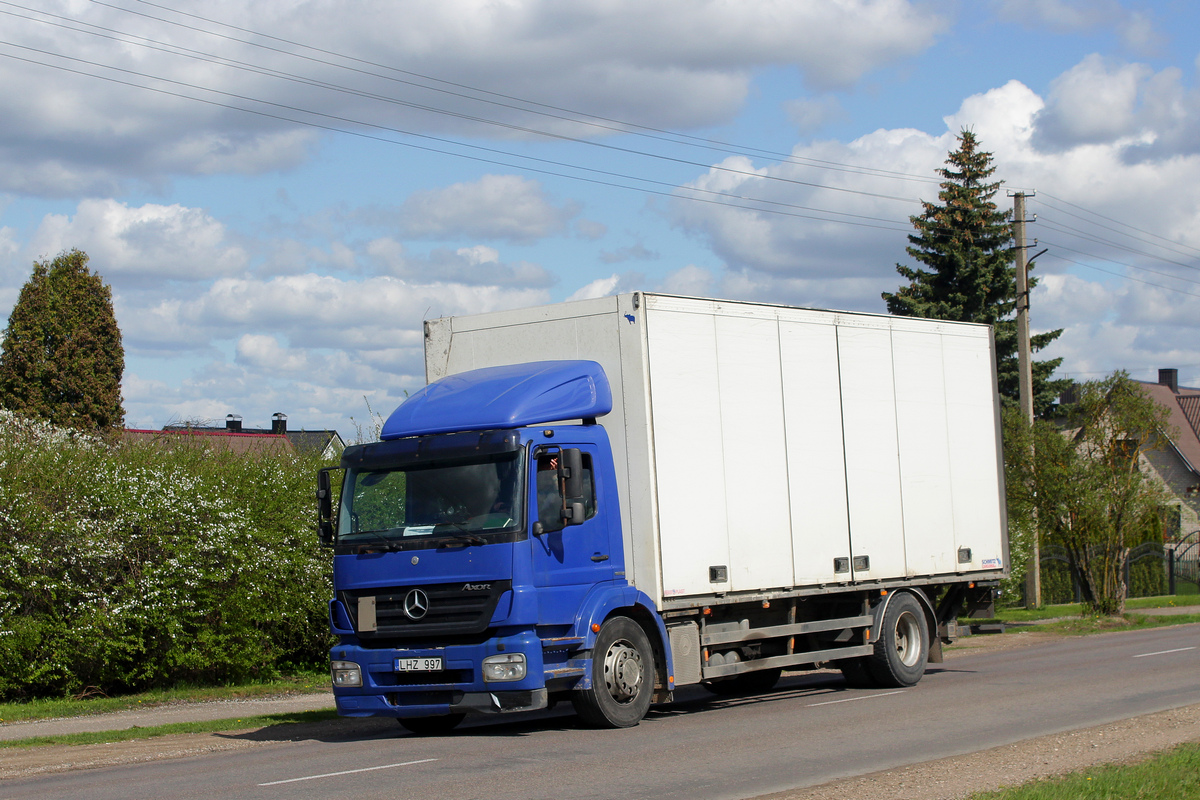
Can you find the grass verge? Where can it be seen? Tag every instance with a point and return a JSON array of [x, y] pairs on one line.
[[1069, 619], [208, 726], [50, 708], [1174, 775]]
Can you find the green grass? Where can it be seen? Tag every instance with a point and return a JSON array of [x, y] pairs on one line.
[[1025, 615], [208, 726], [1078, 626], [98, 704], [1068, 619], [1174, 775]]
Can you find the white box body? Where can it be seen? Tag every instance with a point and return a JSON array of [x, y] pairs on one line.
[[775, 441]]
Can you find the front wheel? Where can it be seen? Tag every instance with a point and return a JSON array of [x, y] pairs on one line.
[[622, 677], [902, 650]]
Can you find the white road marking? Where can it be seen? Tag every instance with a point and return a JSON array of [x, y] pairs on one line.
[[1164, 652], [852, 699], [349, 772]]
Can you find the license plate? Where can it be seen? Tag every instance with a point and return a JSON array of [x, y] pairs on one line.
[[432, 664]]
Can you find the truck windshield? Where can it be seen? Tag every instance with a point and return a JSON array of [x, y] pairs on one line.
[[418, 503]]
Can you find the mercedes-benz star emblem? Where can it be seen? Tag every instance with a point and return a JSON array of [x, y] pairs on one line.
[[416, 604]]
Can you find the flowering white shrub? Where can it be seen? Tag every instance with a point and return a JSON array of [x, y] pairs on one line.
[[126, 565]]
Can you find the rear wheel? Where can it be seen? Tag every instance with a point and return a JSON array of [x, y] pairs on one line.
[[902, 650], [622, 677], [431, 726], [763, 680]]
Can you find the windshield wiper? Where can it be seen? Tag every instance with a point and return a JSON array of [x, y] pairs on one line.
[[459, 532], [388, 544]]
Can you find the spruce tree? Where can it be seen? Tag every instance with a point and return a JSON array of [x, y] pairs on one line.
[[62, 357], [965, 243]]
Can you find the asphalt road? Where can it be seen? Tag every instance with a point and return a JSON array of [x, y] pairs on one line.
[[809, 731]]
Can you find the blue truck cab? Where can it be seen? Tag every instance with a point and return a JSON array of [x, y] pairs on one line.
[[478, 561]]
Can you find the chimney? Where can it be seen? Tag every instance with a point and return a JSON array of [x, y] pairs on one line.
[[1170, 379], [233, 422], [279, 423]]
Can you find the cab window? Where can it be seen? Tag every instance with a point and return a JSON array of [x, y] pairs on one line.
[[549, 491]]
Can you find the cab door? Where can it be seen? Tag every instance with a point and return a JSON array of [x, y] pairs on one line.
[[568, 560]]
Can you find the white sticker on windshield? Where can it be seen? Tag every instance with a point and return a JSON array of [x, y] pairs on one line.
[[419, 530]]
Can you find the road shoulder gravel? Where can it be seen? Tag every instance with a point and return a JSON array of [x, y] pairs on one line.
[[957, 777]]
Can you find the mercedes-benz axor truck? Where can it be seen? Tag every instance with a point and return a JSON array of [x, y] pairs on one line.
[[606, 500]]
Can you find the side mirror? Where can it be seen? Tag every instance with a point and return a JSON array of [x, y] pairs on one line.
[[574, 513], [325, 527], [572, 472]]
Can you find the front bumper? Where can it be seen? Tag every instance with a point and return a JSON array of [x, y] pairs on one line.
[[430, 705], [460, 688]]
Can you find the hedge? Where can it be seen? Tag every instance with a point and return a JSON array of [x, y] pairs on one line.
[[131, 565]]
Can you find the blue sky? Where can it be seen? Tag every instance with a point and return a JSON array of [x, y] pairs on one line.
[[285, 192]]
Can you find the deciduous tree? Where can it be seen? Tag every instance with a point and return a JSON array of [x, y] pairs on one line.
[[62, 357], [1085, 480]]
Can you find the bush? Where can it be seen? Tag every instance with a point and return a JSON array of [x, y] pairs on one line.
[[130, 565]]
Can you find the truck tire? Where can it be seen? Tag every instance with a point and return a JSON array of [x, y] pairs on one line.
[[431, 726], [763, 680], [902, 649], [622, 677]]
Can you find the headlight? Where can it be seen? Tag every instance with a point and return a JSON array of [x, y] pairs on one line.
[[504, 667], [346, 673]]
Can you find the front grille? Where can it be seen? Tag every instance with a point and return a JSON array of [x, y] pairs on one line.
[[452, 608]]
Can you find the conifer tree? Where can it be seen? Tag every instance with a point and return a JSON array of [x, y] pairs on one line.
[[965, 244], [62, 357]]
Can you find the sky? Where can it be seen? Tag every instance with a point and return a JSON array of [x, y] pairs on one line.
[[279, 193]]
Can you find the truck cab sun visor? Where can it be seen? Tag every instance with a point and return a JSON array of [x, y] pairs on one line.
[[510, 396]]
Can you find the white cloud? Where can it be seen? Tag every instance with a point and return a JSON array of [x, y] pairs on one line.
[[690, 280], [671, 64], [1158, 195], [318, 348], [1143, 114], [149, 242], [1136, 30], [601, 287], [505, 207], [478, 265], [265, 353]]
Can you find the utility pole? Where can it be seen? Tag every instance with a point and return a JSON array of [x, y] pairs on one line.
[[1033, 571]]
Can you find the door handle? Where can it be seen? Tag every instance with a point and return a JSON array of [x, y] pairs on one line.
[[598, 558]]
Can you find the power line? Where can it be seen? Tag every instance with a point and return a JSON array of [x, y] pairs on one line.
[[578, 117], [1086, 237], [1119, 222], [360, 134], [1110, 272], [268, 72], [611, 125]]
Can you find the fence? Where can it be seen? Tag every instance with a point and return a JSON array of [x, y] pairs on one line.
[[1153, 569]]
